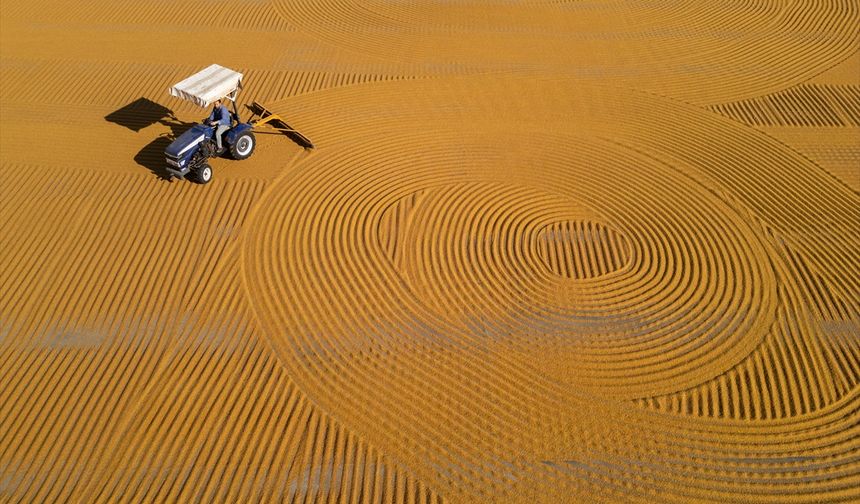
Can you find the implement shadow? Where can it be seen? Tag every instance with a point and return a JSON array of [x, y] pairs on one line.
[[140, 114]]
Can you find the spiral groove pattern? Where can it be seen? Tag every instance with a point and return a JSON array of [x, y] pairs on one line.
[[417, 265]]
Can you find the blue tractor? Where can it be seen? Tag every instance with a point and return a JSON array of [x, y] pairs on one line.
[[188, 155]]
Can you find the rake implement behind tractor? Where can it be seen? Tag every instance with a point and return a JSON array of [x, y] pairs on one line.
[[275, 121]]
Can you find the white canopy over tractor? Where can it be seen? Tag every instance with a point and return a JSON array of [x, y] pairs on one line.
[[208, 85]]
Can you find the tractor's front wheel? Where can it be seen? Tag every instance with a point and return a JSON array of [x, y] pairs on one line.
[[243, 147], [203, 174]]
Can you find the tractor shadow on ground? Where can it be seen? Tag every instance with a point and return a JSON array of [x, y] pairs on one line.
[[140, 114], [151, 156]]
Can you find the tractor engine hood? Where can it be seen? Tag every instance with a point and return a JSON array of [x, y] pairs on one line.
[[187, 141]]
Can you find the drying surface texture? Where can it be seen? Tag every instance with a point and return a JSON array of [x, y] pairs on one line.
[[544, 251]]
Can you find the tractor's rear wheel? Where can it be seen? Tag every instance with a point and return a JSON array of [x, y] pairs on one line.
[[244, 146], [203, 174]]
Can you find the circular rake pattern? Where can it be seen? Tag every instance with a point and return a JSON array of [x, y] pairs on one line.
[[400, 276]]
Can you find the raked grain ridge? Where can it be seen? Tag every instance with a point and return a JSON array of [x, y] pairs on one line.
[[544, 251]]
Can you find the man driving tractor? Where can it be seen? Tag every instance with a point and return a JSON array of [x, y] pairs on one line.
[[223, 121], [189, 153]]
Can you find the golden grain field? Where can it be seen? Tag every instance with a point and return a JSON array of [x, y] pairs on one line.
[[544, 251]]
